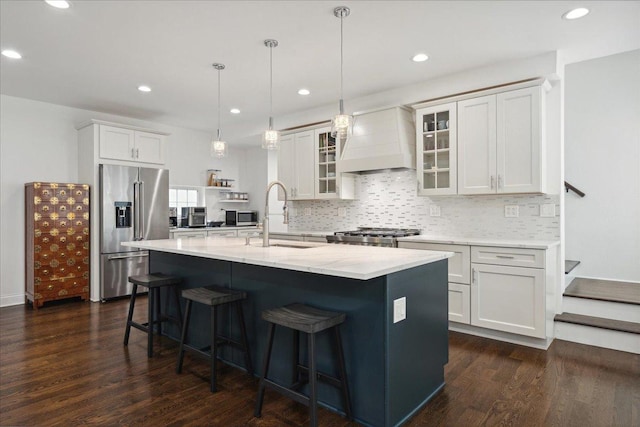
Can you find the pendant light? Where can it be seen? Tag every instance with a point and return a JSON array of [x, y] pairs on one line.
[[271, 137], [218, 147], [342, 124]]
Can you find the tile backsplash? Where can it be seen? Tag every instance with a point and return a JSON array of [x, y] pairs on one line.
[[389, 199]]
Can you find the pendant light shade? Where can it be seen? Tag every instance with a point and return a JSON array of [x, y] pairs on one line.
[[218, 147], [271, 137], [342, 124]]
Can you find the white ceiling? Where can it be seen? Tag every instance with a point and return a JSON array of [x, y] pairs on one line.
[[95, 54]]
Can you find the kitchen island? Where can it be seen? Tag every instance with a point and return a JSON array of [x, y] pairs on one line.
[[393, 368]]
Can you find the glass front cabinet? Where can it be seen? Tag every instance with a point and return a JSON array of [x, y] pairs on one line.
[[436, 149], [329, 182]]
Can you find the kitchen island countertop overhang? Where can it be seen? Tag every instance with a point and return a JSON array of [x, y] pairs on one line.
[[354, 262]]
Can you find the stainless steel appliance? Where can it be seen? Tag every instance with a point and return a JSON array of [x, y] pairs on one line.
[[194, 217], [368, 236], [133, 206], [241, 218]]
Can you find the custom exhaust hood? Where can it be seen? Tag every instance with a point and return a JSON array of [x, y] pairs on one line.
[[382, 139]]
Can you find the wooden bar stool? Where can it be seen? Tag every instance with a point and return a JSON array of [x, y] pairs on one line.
[[310, 320], [154, 282], [214, 296]]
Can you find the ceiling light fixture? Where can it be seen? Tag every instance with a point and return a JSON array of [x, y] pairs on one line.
[[421, 57], [60, 4], [271, 138], [144, 88], [218, 147], [303, 92], [576, 13], [11, 54], [342, 124], [234, 111]]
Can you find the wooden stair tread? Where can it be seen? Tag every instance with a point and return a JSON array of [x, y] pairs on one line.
[[605, 290], [599, 322], [570, 265]]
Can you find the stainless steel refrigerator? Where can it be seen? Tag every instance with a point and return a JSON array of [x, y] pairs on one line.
[[134, 206]]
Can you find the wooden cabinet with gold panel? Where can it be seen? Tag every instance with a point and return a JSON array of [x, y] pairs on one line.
[[56, 242]]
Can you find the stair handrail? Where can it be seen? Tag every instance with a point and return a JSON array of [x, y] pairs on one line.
[[568, 187]]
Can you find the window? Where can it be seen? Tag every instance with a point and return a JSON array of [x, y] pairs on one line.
[[182, 197]]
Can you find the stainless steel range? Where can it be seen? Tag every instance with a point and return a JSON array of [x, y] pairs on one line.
[[368, 236]]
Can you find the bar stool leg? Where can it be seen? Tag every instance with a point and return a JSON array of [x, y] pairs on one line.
[[150, 324], [214, 348], [176, 294], [346, 399], [158, 307], [297, 383], [265, 367], [183, 336], [313, 379], [245, 341], [132, 303]]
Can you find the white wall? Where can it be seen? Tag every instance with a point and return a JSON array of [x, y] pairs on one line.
[[602, 158], [38, 142]]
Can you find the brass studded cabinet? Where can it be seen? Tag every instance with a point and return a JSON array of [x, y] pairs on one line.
[[57, 242]]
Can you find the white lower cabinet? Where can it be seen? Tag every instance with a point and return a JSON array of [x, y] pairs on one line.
[[495, 287], [222, 233], [459, 276], [509, 299]]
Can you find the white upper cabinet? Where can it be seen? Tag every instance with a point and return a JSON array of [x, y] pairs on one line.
[[500, 143], [519, 141], [477, 145], [131, 145], [330, 183], [296, 165], [436, 144]]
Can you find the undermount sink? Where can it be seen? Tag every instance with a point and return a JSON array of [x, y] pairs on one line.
[[284, 245]]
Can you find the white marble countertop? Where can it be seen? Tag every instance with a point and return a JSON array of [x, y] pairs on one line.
[[355, 262], [223, 227], [482, 241]]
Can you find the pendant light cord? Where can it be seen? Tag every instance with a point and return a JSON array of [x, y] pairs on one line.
[[341, 63], [270, 87], [219, 133]]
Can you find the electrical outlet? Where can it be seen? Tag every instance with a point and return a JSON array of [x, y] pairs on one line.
[[547, 210], [307, 211], [434, 210], [342, 212], [399, 309], [511, 211]]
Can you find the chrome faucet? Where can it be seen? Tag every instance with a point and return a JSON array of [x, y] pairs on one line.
[[265, 221]]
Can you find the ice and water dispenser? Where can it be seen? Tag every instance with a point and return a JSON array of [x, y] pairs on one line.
[[123, 214]]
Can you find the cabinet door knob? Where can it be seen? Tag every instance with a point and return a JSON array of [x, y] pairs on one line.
[[493, 182]]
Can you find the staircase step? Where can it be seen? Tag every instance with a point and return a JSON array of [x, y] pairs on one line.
[[604, 290], [570, 265], [599, 322]]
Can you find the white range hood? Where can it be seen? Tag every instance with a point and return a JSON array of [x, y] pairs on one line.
[[382, 139]]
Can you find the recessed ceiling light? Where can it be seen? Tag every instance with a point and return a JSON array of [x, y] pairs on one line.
[[421, 57], [11, 54], [576, 13], [234, 111], [144, 88], [60, 4], [303, 92]]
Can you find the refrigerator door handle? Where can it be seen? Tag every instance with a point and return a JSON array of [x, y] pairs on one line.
[[141, 209], [136, 212], [117, 257]]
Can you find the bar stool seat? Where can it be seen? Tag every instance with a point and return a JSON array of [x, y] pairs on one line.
[[155, 316], [214, 296], [310, 320]]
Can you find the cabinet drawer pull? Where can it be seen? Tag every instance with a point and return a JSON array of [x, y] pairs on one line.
[[493, 182], [505, 256], [473, 275]]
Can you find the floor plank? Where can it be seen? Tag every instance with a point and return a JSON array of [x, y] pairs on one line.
[[65, 365]]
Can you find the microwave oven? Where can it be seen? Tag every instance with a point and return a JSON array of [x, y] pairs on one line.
[[194, 217], [241, 218]]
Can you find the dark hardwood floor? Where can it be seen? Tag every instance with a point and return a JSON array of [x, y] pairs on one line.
[[65, 365]]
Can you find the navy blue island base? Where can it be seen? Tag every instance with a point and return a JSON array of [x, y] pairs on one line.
[[393, 368]]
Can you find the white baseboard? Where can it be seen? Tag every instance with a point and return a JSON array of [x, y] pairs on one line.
[[9, 300], [598, 337], [501, 336]]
